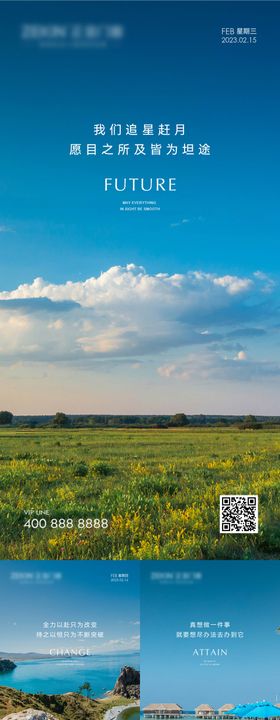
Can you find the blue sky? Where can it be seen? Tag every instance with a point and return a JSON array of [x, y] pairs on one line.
[[57, 223], [244, 593], [85, 592]]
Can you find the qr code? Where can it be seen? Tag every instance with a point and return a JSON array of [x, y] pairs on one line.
[[239, 514]]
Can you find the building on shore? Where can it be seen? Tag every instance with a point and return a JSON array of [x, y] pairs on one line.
[[163, 710]]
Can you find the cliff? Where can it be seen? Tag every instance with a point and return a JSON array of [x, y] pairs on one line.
[[6, 665], [128, 683]]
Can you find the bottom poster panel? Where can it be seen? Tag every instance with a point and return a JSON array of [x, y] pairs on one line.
[[70, 640], [69, 634], [210, 642]]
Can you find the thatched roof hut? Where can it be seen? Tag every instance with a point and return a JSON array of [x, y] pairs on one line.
[[204, 711], [166, 710], [225, 708]]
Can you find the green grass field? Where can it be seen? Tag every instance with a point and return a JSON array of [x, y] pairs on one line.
[[158, 489]]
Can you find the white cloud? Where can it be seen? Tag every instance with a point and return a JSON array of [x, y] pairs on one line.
[[6, 229], [126, 313], [214, 366], [233, 284], [121, 283], [56, 324], [169, 370], [119, 644], [268, 284], [184, 221], [241, 355]]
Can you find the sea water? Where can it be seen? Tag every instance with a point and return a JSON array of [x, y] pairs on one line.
[[60, 675], [130, 714]]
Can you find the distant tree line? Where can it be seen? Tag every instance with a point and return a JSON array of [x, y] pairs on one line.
[[61, 420], [6, 417]]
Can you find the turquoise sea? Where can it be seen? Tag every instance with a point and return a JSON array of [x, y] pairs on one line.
[[61, 675]]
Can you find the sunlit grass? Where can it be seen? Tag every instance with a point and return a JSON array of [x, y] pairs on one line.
[[159, 490]]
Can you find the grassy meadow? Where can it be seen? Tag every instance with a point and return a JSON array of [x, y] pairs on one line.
[[70, 706], [158, 489]]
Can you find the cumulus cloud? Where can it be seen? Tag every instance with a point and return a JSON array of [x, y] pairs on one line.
[[234, 285], [120, 283], [127, 313]]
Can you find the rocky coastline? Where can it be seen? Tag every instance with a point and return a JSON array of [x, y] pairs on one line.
[[6, 665]]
